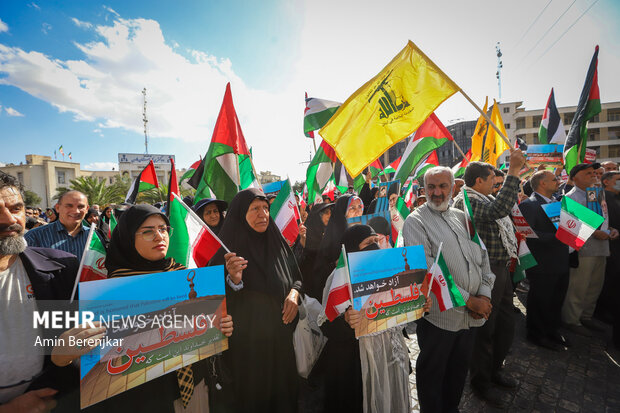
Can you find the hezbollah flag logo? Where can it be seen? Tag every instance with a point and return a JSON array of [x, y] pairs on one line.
[[389, 103]]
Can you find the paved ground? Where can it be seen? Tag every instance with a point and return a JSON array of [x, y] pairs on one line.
[[583, 379]]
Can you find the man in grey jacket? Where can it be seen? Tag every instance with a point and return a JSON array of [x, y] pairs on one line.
[[446, 338]]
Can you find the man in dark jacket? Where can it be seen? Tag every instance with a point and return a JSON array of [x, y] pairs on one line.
[[29, 381], [548, 279]]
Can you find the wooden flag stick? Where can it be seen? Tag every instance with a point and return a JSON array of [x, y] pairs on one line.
[[488, 119], [459, 148]]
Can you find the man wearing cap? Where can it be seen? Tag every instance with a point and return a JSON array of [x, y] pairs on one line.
[[586, 281]]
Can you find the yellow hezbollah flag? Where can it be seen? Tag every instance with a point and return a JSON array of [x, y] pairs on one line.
[[477, 138], [495, 145], [387, 109]]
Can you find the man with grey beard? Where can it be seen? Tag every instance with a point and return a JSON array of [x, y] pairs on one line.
[[446, 338], [28, 380]]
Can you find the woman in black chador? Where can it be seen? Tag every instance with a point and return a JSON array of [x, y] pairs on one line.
[[262, 293]]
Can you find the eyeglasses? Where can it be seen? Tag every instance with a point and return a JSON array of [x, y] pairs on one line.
[[149, 234], [499, 185]]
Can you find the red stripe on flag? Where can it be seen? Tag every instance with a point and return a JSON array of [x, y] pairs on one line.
[[290, 232], [88, 274], [336, 297], [204, 248], [569, 238]]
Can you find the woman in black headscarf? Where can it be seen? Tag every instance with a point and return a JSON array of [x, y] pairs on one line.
[[138, 246], [315, 227], [263, 285], [211, 211]]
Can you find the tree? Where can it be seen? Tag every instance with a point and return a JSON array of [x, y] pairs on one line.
[[31, 198], [160, 194], [96, 190]]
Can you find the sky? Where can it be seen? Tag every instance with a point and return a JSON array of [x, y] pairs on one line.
[[72, 72]]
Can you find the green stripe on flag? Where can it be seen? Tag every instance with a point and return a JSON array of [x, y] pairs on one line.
[[583, 214], [455, 294], [179, 240]]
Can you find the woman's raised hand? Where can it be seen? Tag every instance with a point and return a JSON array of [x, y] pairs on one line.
[[235, 266]]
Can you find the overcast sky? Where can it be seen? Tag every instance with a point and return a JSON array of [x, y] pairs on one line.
[[72, 74]]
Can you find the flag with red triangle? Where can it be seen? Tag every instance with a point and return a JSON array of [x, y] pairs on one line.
[[147, 179], [173, 186]]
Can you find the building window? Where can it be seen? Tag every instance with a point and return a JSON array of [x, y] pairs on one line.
[[614, 151], [506, 110], [111, 180], [613, 133], [613, 115], [60, 175], [507, 125], [520, 123], [536, 121], [568, 118], [20, 177], [594, 136], [595, 119]]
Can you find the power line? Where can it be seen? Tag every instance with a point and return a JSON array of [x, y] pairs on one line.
[[566, 31], [533, 23], [548, 30]]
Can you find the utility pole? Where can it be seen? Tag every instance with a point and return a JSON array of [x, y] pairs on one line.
[[145, 120], [498, 74]]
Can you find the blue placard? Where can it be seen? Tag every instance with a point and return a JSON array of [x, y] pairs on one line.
[[553, 212]]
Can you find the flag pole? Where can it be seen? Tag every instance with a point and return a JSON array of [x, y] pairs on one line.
[[430, 284], [79, 273], [459, 148], [488, 119]]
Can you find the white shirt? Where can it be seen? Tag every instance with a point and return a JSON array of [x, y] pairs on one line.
[[20, 359]]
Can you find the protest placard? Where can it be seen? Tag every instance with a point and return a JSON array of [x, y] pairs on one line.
[[157, 323], [388, 287], [553, 212]]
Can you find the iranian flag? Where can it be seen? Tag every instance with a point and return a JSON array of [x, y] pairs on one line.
[[429, 136], [320, 171], [471, 227], [112, 224], [551, 127], [222, 163], [191, 170], [525, 260], [398, 214], [443, 287], [410, 195], [92, 266], [330, 190], [317, 113], [588, 107], [430, 161], [339, 296], [577, 223], [458, 170], [285, 214], [192, 243], [147, 179]]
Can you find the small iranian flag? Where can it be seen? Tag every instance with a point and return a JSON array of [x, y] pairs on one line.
[[339, 295], [320, 171], [92, 266], [443, 287], [147, 179], [410, 195], [285, 214], [317, 113], [525, 261], [430, 135], [398, 214], [577, 223], [458, 170], [551, 128], [471, 227], [192, 243]]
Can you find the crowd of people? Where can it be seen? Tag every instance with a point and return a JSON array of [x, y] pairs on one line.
[[266, 281]]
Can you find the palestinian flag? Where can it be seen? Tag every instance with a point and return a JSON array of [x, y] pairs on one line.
[[458, 170], [588, 107], [391, 168], [112, 224], [192, 243], [285, 214], [92, 265], [341, 177], [339, 296], [320, 171], [399, 213], [443, 287], [358, 182], [551, 128], [577, 223], [471, 227], [147, 179], [221, 163], [196, 182], [173, 186], [525, 261], [429, 136], [247, 173], [317, 113], [430, 161], [191, 170], [375, 168]]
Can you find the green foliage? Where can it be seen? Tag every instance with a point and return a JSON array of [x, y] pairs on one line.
[[31, 198], [97, 191]]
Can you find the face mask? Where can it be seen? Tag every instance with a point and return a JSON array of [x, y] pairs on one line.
[[371, 247]]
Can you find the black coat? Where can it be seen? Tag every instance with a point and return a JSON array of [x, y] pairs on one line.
[[550, 253]]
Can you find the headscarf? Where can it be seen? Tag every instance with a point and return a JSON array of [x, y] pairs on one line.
[[330, 245], [354, 235], [315, 227], [104, 217], [272, 268], [393, 189], [221, 207], [122, 258], [91, 211]]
